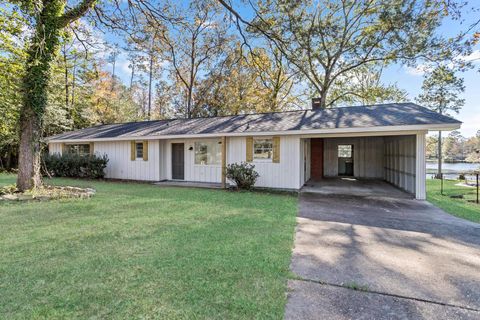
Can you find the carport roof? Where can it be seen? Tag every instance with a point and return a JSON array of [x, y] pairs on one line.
[[382, 115]]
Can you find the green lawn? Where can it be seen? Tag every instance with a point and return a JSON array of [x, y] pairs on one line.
[[459, 207], [140, 251]]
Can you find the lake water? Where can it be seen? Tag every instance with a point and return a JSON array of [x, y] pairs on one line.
[[452, 170], [453, 167]]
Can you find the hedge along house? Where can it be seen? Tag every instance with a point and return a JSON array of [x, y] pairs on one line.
[[385, 142]]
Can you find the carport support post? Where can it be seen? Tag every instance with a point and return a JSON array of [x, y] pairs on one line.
[[420, 168]]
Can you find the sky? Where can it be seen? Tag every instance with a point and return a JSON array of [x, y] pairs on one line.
[[410, 79]]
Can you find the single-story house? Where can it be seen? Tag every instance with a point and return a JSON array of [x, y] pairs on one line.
[[289, 148]]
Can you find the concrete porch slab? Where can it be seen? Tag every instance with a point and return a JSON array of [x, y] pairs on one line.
[[188, 184]]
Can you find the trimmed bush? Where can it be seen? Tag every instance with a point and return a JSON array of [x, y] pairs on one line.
[[74, 165], [243, 174]]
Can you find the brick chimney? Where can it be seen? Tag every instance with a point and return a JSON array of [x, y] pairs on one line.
[[316, 103]]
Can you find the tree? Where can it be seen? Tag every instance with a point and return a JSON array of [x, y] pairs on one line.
[[11, 63], [279, 81], [107, 106], [454, 147], [326, 40], [147, 51], [230, 88], [193, 44], [67, 91], [246, 82], [431, 147], [363, 86], [472, 148], [50, 17], [440, 92], [163, 98]]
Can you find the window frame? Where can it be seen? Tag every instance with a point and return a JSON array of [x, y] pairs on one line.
[[345, 145], [139, 143], [256, 159], [76, 151], [214, 155]]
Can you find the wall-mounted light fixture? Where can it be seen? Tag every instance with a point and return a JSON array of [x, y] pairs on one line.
[[190, 148]]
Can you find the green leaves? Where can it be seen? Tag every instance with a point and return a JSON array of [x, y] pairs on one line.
[[441, 90], [326, 40]]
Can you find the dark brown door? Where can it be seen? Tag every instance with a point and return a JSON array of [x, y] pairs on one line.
[[178, 161]]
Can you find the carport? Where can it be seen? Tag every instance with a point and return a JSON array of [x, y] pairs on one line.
[[379, 165]]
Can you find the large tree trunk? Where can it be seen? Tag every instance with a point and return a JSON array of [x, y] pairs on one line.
[[323, 89], [42, 51], [72, 100], [323, 100], [150, 78], [29, 151], [132, 75], [65, 61]]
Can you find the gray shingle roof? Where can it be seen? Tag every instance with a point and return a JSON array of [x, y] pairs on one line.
[[397, 114]]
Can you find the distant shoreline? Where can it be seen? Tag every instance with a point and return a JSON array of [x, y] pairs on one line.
[[449, 161]]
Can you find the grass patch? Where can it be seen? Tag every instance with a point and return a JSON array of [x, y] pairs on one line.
[[141, 251], [356, 286], [460, 207]]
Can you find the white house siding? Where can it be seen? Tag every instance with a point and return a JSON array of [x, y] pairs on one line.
[[198, 172], [193, 172], [284, 175], [121, 167], [163, 160], [400, 158], [368, 160]]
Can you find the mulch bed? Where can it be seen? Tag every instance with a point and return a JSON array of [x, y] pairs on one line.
[[45, 193]]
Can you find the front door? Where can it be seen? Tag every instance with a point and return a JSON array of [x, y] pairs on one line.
[[345, 160], [178, 161]]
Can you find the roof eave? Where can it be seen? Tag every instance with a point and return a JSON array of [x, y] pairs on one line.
[[379, 129]]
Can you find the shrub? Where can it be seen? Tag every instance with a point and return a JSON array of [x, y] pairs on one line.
[[74, 165], [243, 174]]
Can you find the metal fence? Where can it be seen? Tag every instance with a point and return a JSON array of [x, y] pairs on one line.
[[467, 188]]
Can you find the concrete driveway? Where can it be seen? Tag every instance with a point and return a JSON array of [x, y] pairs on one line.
[[382, 258]]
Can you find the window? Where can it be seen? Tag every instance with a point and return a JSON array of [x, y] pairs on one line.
[[80, 149], [344, 150], [139, 149], [208, 152], [262, 149]]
